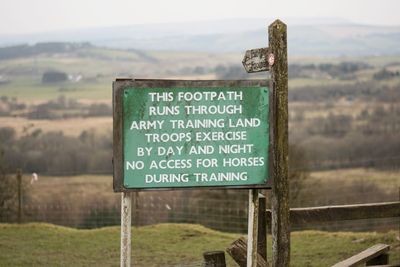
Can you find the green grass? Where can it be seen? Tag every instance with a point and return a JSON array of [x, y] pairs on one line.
[[315, 248], [164, 245], [30, 89], [303, 82], [76, 190], [389, 181], [100, 66], [378, 61]]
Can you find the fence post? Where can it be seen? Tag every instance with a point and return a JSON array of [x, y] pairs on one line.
[[238, 251], [214, 259], [136, 216], [19, 185], [252, 231], [277, 59], [126, 210], [262, 228]]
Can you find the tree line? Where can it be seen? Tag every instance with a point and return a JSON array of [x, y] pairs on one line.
[[55, 153], [60, 108], [369, 139], [365, 91]]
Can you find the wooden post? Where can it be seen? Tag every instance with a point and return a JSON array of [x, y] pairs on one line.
[[262, 228], [214, 259], [126, 211], [238, 252], [252, 231], [278, 63], [382, 259], [135, 212], [19, 185]]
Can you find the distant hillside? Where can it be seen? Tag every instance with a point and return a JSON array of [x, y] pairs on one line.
[[18, 51], [303, 41], [306, 38]]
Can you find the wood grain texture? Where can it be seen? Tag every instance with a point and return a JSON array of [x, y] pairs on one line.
[[238, 251], [117, 135], [280, 187], [126, 223], [364, 256], [252, 232], [301, 216], [262, 228], [214, 259]]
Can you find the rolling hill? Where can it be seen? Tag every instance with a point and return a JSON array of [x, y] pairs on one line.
[[306, 37]]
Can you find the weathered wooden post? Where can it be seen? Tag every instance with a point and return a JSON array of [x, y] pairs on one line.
[[262, 228], [238, 251], [280, 188], [135, 209], [252, 228], [126, 210], [274, 59], [214, 259], [19, 185]]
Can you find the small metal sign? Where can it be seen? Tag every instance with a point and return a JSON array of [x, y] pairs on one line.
[[255, 60], [187, 134]]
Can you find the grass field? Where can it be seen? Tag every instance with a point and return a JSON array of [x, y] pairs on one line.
[[389, 181], [350, 186], [89, 201], [100, 186], [72, 126], [30, 90], [379, 61], [78, 195], [99, 68], [166, 245]]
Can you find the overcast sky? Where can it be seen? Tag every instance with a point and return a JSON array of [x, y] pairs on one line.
[[29, 16]]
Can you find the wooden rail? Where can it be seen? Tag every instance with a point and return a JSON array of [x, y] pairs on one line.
[[343, 212], [238, 251], [376, 254]]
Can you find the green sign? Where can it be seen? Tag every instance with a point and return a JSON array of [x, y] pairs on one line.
[[194, 137]]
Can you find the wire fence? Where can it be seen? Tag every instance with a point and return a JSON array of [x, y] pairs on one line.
[[227, 214], [225, 210]]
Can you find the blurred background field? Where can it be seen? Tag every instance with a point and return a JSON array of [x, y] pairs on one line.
[[56, 125]]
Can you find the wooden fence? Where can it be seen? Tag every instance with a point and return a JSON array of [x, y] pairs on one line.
[[342, 213], [302, 216]]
